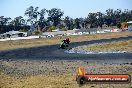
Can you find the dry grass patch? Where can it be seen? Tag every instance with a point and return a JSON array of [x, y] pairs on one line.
[[113, 46], [58, 80], [39, 81], [49, 81]]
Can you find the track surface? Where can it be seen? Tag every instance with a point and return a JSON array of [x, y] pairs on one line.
[[51, 52]]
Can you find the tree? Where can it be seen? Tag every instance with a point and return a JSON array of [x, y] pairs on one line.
[[67, 22], [54, 15], [77, 23], [54, 20], [109, 17], [117, 16], [91, 19], [82, 23], [32, 14], [100, 20], [71, 24], [42, 21], [17, 22], [4, 20]]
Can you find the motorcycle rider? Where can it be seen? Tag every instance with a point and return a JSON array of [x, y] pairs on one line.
[[64, 43]]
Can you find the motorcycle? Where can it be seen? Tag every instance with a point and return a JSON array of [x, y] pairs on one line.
[[64, 45]]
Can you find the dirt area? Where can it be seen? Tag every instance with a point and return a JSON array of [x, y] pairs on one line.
[[56, 74]]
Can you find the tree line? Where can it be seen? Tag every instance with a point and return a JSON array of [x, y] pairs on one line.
[[47, 20]]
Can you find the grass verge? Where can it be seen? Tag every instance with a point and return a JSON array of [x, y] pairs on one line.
[[113, 46]]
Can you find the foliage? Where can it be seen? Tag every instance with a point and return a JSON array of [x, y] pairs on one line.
[[32, 14], [52, 28], [23, 30], [52, 19], [68, 23], [77, 23], [18, 21], [4, 20], [36, 32], [55, 16], [119, 25]]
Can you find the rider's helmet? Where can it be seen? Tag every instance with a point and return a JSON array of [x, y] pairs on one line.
[[67, 39]]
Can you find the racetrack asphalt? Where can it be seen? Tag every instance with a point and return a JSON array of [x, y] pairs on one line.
[[51, 52]]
